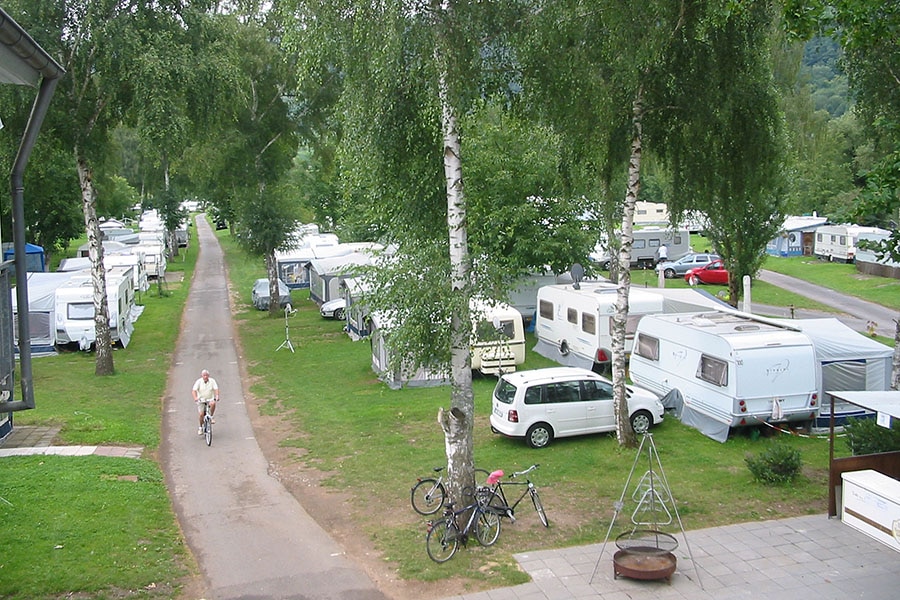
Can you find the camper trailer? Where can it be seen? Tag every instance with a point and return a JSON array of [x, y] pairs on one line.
[[326, 274], [498, 344], [645, 249], [153, 256], [41, 308], [731, 369], [838, 242], [74, 308], [574, 324]]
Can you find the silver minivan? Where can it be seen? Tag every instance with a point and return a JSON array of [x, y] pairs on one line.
[[543, 404]]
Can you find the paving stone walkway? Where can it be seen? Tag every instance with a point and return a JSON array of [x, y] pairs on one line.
[[27, 440]]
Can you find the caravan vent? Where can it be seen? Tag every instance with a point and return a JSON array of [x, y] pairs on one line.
[[747, 328]]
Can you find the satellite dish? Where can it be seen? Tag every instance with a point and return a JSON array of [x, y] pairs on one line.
[[577, 272]]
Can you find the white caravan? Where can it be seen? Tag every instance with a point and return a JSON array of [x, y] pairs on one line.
[[646, 246], [74, 310], [838, 242], [498, 344], [153, 256], [41, 308], [574, 325], [731, 369]]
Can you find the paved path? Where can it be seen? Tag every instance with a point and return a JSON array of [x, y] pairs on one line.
[[251, 537], [856, 313]]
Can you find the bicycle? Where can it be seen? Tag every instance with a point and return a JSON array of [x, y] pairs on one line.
[[428, 494], [207, 426], [444, 536], [495, 498]]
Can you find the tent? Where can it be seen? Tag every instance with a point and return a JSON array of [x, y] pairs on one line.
[[848, 361], [35, 259], [41, 310]]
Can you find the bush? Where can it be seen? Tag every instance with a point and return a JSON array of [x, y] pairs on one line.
[[778, 464], [865, 436]]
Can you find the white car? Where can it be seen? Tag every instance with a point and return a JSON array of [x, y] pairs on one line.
[[543, 404], [333, 309]]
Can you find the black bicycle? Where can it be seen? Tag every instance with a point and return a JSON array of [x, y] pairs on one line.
[[428, 494], [494, 496], [207, 426], [445, 535]]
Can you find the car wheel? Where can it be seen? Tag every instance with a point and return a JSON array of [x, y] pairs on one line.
[[641, 421], [539, 435], [669, 273], [693, 280], [339, 314]]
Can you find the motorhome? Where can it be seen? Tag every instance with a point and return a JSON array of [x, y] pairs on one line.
[[645, 248], [838, 242], [74, 308], [574, 322], [730, 369]]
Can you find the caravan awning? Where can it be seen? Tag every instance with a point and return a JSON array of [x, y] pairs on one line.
[[887, 402]]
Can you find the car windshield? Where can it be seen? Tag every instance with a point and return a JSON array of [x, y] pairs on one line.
[[505, 392]]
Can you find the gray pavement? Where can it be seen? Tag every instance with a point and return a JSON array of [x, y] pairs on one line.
[[853, 312]]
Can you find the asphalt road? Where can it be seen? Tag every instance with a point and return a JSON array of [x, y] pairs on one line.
[[251, 538]]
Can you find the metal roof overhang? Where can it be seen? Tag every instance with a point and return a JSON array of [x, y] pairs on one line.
[[886, 402], [24, 62]]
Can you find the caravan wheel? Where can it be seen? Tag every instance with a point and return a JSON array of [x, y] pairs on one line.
[[564, 348]]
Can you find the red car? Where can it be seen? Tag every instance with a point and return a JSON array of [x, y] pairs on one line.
[[714, 272]]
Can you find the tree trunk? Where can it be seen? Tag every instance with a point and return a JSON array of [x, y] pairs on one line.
[[103, 341], [457, 441], [895, 370], [274, 292], [460, 455], [624, 433]]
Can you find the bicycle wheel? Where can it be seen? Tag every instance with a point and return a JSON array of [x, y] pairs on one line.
[[442, 541], [427, 496], [539, 507], [207, 427], [487, 528]]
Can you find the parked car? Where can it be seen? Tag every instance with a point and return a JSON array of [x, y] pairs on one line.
[[543, 404], [713, 273], [677, 268], [333, 309], [260, 294]]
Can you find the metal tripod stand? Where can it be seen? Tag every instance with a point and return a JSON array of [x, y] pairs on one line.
[[288, 312], [652, 496]]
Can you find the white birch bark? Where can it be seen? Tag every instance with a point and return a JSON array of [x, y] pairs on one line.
[[103, 341], [624, 433]]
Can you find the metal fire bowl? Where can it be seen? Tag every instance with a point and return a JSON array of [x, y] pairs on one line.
[[644, 566], [645, 554]]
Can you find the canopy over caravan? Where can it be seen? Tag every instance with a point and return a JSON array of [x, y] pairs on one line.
[[398, 377], [35, 259], [41, 310], [847, 361], [326, 274]]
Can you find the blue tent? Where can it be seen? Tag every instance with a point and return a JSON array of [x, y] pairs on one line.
[[35, 261]]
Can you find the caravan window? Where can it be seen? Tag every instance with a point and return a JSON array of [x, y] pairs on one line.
[[546, 310], [486, 332], [654, 243], [572, 316], [647, 346], [80, 311], [713, 370], [639, 244], [589, 323]]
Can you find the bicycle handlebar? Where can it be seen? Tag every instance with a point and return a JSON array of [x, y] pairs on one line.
[[525, 472]]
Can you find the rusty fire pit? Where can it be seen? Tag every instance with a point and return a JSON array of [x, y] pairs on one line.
[[645, 554]]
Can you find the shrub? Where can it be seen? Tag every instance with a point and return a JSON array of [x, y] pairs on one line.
[[778, 464], [865, 436]]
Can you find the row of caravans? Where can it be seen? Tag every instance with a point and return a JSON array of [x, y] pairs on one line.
[[61, 308]]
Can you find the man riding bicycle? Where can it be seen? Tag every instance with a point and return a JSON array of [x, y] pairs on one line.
[[205, 391]]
